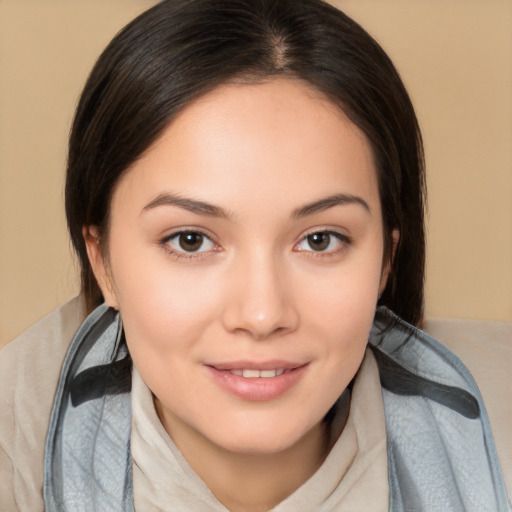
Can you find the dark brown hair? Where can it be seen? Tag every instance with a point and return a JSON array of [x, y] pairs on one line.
[[181, 49]]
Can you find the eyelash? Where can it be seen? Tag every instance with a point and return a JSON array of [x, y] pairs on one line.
[[344, 240], [192, 255]]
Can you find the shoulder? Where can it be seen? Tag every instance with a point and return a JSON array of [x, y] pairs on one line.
[[485, 347], [29, 372]]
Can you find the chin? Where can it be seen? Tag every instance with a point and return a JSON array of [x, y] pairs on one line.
[[265, 438]]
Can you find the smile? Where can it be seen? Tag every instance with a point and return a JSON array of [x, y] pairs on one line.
[[257, 382]]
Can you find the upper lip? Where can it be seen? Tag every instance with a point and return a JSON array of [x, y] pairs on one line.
[[256, 365]]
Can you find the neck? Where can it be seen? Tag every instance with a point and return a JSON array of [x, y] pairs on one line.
[[258, 482]]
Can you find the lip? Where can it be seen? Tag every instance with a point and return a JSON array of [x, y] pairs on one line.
[[255, 365], [260, 388]]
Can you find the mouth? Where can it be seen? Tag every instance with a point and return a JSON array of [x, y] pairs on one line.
[[257, 381]]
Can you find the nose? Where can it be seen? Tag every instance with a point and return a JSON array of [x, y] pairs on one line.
[[260, 299]]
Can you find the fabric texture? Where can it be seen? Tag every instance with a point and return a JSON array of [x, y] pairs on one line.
[[29, 373], [485, 347], [87, 459], [440, 446]]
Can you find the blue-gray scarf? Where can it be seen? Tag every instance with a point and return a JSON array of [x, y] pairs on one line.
[[441, 454]]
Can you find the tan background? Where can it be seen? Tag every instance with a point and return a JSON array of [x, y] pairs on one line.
[[455, 57]]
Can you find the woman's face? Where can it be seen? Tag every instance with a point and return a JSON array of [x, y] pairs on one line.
[[245, 257]]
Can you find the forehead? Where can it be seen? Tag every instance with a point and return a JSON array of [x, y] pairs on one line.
[[256, 138]]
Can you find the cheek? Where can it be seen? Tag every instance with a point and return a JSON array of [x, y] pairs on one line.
[[345, 295], [164, 309], [165, 321], [339, 308]]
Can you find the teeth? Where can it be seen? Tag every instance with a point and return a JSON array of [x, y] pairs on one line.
[[256, 374], [251, 374]]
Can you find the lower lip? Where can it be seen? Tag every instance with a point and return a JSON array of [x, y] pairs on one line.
[[260, 388]]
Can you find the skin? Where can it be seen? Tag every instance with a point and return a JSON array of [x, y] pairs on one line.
[[257, 288]]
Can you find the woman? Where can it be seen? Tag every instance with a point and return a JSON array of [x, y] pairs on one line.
[[244, 187]]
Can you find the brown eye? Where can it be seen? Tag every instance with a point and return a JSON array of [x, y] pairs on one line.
[[319, 241], [190, 242], [324, 242]]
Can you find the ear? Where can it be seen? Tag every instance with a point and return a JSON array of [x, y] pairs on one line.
[[99, 265], [386, 268]]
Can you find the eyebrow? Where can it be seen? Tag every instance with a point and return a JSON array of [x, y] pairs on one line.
[[210, 210], [329, 202], [192, 205]]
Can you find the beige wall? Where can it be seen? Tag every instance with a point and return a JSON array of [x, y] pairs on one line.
[[455, 57]]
